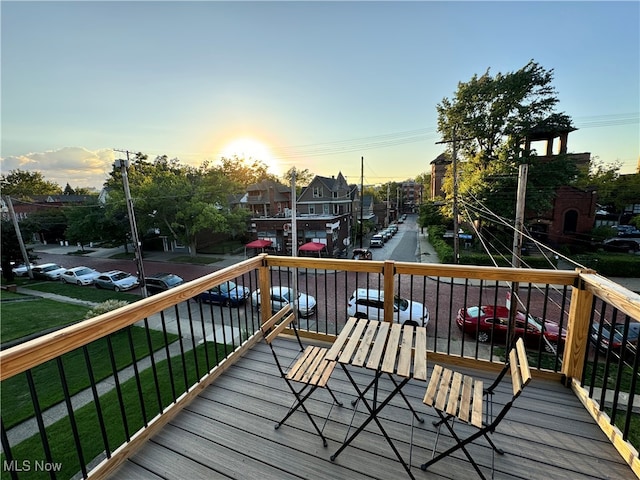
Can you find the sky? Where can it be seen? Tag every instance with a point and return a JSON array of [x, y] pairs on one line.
[[349, 87]]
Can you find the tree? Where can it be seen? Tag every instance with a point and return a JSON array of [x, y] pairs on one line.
[[303, 177], [488, 118], [84, 223], [20, 183], [49, 225], [68, 190], [177, 200], [603, 177], [430, 214], [244, 172]]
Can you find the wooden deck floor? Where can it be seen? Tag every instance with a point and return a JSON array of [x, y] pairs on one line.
[[228, 432]]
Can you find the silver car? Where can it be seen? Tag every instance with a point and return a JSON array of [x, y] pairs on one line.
[[281, 296]]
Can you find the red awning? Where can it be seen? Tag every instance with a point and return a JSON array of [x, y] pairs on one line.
[[312, 247], [259, 244]]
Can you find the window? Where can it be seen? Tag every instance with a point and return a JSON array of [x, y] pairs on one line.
[[312, 209], [325, 208], [317, 192]]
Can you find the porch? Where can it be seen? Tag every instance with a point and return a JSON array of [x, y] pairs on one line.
[[228, 432]]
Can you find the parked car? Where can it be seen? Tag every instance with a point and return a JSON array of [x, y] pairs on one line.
[[79, 275], [386, 235], [281, 296], [621, 245], [48, 271], [605, 337], [117, 280], [366, 303], [376, 241], [362, 254], [21, 269], [228, 293], [487, 320], [161, 282]]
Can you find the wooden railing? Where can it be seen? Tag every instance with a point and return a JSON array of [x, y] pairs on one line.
[[567, 297]]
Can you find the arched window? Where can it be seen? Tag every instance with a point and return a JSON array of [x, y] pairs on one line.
[[570, 221]]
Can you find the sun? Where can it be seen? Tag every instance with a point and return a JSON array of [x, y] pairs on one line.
[[250, 148]]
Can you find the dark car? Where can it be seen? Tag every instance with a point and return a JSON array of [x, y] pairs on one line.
[[227, 293], [161, 282], [621, 245], [606, 336], [489, 321], [362, 254]]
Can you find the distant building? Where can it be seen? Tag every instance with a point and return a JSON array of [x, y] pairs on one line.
[[439, 168], [411, 196]]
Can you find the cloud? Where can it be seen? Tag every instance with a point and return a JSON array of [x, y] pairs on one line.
[[76, 166]]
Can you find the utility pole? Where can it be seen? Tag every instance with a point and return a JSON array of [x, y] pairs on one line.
[[23, 249], [519, 222], [388, 204], [454, 164], [123, 165], [456, 227], [517, 250]]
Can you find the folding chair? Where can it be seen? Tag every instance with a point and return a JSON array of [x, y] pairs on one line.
[[456, 396], [309, 369]]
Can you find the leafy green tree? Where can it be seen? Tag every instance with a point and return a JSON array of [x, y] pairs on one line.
[[604, 178], [244, 172], [49, 224], [303, 177], [84, 223], [21, 183], [179, 200], [488, 118], [430, 214]]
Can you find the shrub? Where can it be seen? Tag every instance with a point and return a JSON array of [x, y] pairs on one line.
[[105, 307]]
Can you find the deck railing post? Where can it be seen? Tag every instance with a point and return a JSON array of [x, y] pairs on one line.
[[264, 280], [388, 273], [578, 330]]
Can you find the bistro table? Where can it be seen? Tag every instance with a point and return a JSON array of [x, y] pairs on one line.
[[386, 348]]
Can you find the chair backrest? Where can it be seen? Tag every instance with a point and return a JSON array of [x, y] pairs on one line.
[[520, 371], [277, 323]]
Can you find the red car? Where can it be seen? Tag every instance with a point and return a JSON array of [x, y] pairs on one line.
[[488, 320]]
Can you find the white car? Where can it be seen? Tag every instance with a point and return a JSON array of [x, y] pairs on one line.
[[80, 275], [281, 296], [21, 270], [48, 271], [370, 304]]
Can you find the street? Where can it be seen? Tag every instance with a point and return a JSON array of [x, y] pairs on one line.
[[332, 290]]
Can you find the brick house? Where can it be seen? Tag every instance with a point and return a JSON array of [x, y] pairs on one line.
[[324, 214], [572, 215]]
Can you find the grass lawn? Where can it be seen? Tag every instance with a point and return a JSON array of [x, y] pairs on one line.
[[118, 428], [22, 318], [16, 400]]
